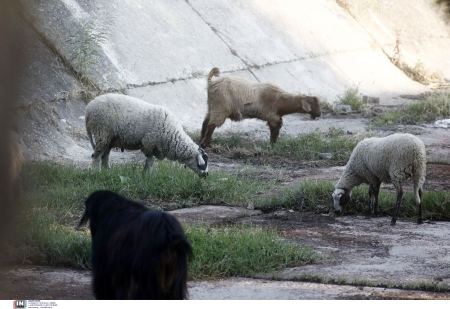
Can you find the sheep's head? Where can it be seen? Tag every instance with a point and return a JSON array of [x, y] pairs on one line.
[[341, 197], [199, 163], [313, 107]]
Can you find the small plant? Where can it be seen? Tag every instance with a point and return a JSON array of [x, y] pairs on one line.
[[86, 52], [353, 98]]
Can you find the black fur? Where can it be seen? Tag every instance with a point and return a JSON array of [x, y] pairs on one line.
[[136, 253]]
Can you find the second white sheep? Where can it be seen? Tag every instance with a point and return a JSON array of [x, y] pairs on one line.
[[391, 159]]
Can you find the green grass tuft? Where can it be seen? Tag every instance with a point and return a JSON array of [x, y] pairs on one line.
[[242, 251], [435, 107], [353, 98], [218, 252]]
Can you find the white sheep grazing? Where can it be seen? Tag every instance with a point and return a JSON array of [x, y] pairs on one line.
[[390, 159], [117, 120]]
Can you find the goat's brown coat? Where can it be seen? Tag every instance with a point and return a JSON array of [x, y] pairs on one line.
[[237, 99]]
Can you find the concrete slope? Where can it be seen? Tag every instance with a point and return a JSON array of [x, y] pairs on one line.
[[161, 51], [410, 30]]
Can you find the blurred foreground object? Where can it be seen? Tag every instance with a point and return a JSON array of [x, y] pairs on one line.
[[11, 65]]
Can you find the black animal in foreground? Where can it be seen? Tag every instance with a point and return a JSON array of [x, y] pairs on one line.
[[136, 253]]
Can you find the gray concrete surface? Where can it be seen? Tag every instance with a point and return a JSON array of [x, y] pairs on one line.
[[210, 214], [61, 283], [242, 288], [367, 250]]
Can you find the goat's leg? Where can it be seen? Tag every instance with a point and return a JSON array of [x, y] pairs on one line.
[[204, 126], [399, 188], [275, 127], [206, 141]]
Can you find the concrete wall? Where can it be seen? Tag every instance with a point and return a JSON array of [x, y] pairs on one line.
[[161, 50]]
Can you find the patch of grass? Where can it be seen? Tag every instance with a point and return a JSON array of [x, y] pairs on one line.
[[435, 107], [51, 243], [242, 251], [87, 52], [218, 252], [304, 147], [53, 185], [353, 98]]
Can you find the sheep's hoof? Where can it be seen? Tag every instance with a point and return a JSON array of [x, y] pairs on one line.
[[393, 221], [419, 221]]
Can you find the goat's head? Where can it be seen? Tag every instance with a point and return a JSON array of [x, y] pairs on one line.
[[341, 197], [312, 106], [199, 163]]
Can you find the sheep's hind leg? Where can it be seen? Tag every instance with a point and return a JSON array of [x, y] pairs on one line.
[[399, 189], [376, 192], [372, 200], [148, 164], [101, 147], [105, 159], [419, 207]]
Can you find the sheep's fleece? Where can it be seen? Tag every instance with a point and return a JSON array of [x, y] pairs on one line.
[[117, 120], [390, 159]]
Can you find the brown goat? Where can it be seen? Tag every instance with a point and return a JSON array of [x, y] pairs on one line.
[[238, 99]]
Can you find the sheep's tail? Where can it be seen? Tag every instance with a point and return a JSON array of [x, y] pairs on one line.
[[214, 72]]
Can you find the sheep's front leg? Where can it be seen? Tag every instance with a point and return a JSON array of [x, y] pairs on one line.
[[399, 189], [374, 190], [275, 127], [148, 164], [96, 160]]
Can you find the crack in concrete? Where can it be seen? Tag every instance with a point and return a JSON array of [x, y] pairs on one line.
[[216, 32], [195, 75]]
